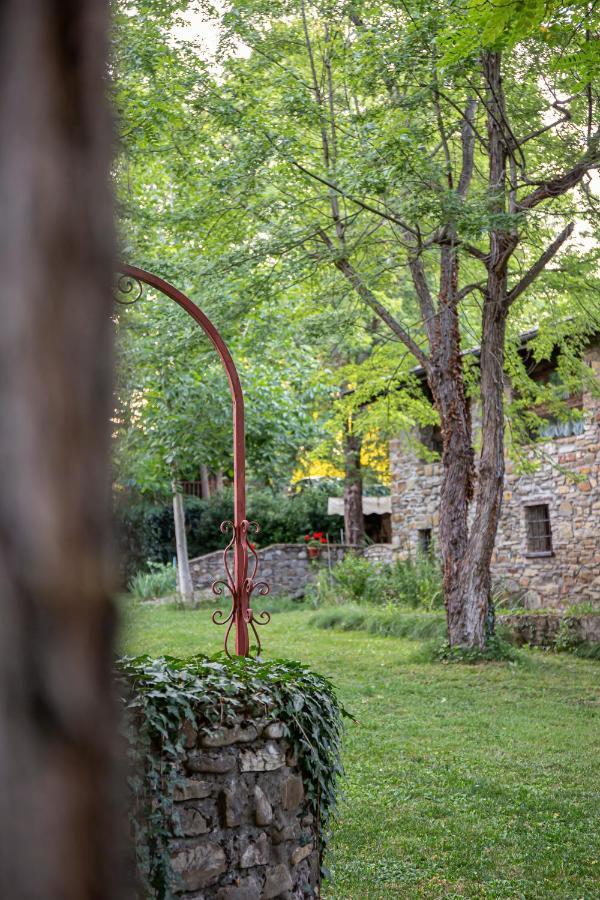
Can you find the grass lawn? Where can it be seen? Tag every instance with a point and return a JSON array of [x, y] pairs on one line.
[[460, 781]]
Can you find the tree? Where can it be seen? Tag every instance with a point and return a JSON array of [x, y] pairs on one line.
[[61, 825], [441, 184], [415, 161], [173, 219]]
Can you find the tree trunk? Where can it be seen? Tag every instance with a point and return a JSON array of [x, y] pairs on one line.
[[184, 577], [468, 578], [61, 826], [204, 482], [476, 576], [354, 522], [445, 378], [219, 481]]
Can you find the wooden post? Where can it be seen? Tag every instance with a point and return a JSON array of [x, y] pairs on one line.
[[184, 577]]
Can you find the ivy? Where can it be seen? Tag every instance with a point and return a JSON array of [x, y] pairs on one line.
[[161, 695]]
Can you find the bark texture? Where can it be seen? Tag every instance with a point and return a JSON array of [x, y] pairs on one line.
[[354, 523], [467, 551], [60, 815]]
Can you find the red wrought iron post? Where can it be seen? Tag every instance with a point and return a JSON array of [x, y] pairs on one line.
[[239, 583]]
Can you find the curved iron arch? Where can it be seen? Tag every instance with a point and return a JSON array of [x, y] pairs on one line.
[[238, 583]]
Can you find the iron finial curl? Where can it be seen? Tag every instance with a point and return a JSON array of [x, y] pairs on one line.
[[128, 284]]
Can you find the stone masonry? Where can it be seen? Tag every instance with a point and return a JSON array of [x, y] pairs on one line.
[[568, 481], [285, 567], [242, 828]]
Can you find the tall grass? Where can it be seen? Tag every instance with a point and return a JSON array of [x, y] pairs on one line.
[[157, 581], [389, 622], [414, 583]]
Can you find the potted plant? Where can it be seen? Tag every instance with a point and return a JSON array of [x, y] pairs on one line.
[[314, 543]]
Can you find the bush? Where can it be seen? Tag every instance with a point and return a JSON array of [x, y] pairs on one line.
[[146, 531], [496, 650], [157, 581], [414, 583]]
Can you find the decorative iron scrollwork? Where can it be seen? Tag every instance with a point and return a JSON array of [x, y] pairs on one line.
[[240, 585], [128, 284]]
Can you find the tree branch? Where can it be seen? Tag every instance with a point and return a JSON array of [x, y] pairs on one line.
[[540, 264], [368, 297], [441, 238], [563, 183], [422, 288], [442, 130], [468, 289], [543, 129], [468, 147], [352, 198]]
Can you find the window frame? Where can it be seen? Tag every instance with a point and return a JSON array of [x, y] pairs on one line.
[[425, 540], [531, 538]]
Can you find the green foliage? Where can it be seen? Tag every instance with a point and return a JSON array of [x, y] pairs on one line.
[[159, 580], [414, 583], [587, 651], [496, 650], [161, 694], [289, 188], [567, 640], [566, 637], [147, 530]]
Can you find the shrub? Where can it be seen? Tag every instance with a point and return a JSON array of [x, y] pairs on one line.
[[159, 580], [414, 583], [146, 530], [496, 650]]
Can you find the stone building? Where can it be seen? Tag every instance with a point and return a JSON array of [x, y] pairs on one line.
[[548, 544]]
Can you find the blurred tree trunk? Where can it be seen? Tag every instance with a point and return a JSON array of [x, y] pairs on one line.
[[204, 482], [354, 521], [60, 805]]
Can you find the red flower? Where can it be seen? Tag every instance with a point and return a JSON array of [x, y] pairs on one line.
[[317, 535], [323, 540], [307, 537]]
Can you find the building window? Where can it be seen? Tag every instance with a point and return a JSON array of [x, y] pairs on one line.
[[539, 534], [425, 541], [552, 427], [431, 438]]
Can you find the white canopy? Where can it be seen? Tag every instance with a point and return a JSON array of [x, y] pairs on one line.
[[371, 505]]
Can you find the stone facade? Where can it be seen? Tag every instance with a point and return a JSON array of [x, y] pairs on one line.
[[567, 482], [242, 828], [285, 567], [383, 554]]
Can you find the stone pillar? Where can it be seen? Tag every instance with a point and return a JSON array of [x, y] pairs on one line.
[[242, 828]]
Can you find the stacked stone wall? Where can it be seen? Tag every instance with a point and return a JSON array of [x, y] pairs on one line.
[[567, 481], [382, 554], [542, 629], [242, 828], [287, 568]]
